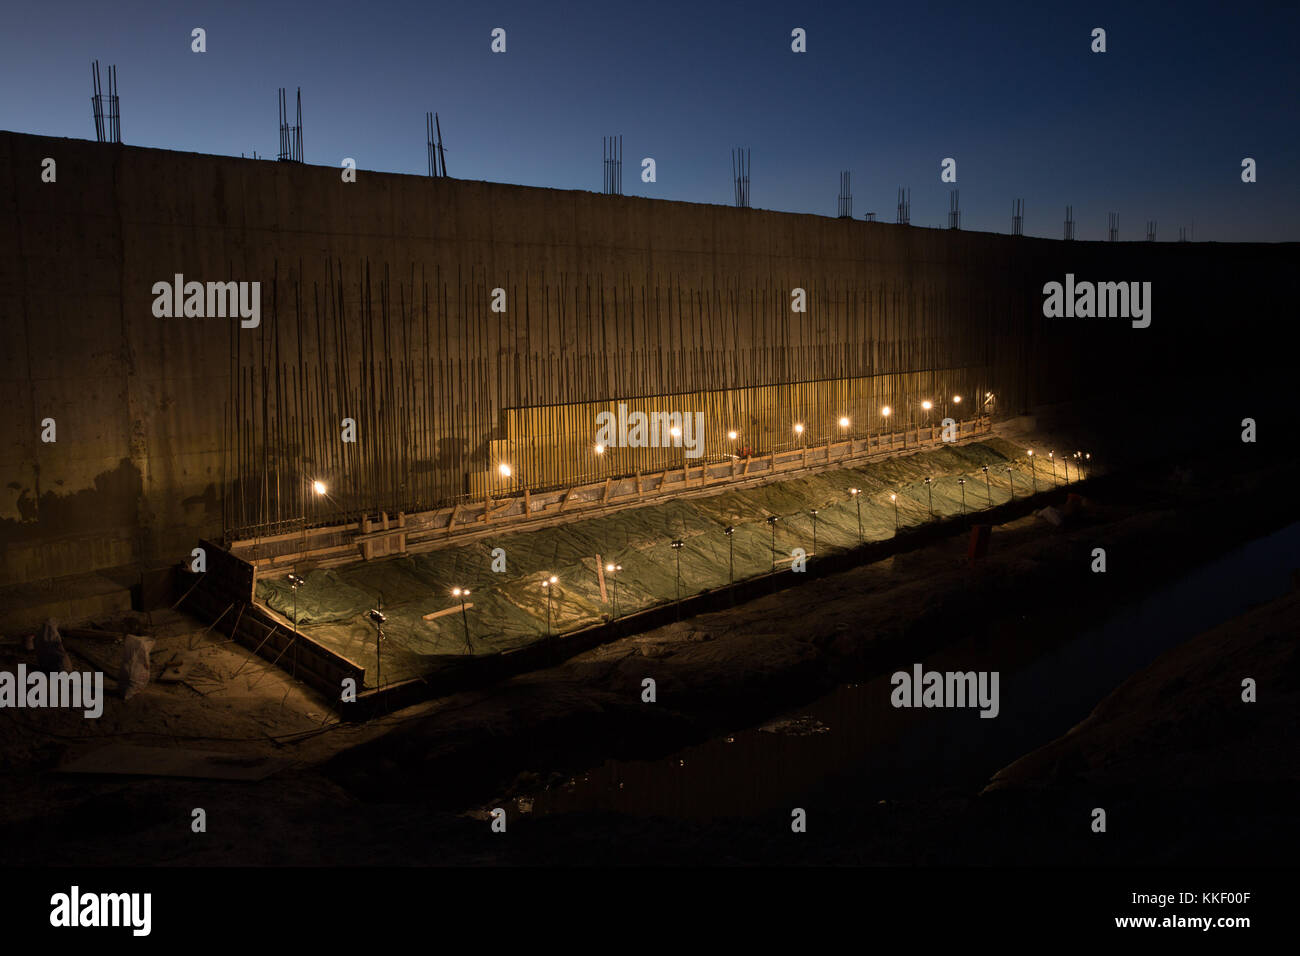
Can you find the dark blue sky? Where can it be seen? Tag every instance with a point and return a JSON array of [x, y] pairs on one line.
[[1154, 128]]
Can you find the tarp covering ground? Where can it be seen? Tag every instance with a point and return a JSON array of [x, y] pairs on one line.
[[510, 607]]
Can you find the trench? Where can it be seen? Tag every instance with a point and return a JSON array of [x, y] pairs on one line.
[[1046, 686]]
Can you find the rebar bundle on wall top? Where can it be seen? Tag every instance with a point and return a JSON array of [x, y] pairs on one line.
[[437, 156], [105, 107], [740, 176], [290, 135], [612, 151], [368, 391]]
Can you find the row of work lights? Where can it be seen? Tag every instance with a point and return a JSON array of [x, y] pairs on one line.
[[505, 470]]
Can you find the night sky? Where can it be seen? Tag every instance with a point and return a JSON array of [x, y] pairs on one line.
[[1155, 128]]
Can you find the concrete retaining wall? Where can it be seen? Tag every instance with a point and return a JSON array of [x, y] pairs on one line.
[[142, 466]]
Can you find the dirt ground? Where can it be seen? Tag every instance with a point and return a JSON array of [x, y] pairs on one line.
[[411, 787]]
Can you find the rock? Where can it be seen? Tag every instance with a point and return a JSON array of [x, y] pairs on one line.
[[50, 655], [1051, 515], [134, 673], [795, 727]]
